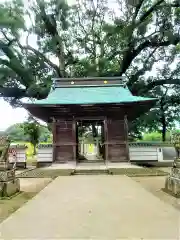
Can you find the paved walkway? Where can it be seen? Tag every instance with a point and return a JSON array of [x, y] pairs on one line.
[[93, 207]]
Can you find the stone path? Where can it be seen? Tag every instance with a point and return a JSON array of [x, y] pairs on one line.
[[93, 207]]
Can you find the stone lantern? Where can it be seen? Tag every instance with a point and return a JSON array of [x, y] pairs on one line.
[[9, 184], [172, 183]]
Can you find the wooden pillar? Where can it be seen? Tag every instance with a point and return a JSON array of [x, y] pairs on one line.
[[126, 136], [74, 136], [54, 132], [105, 139]]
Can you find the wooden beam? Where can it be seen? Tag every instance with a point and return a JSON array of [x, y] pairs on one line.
[[88, 78], [88, 82]]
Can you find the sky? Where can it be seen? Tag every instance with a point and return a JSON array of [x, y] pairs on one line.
[[10, 116]]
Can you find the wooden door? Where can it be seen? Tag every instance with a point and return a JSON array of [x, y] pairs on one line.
[[65, 141], [116, 140]]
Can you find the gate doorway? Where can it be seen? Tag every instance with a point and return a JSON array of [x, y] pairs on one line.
[[90, 141]]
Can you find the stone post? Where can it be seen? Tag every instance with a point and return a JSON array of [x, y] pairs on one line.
[[9, 184], [172, 184]]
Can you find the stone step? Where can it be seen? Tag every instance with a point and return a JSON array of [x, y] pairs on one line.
[[90, 172], [91, 161]]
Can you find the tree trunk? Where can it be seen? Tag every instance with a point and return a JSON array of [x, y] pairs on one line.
[[163, 121], [164, 131], [34, 149], [94, 130]]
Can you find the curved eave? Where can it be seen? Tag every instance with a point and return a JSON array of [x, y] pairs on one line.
[[139, 108], [131, 109]]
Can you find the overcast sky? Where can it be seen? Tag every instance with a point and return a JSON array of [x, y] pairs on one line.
[[10, 116]]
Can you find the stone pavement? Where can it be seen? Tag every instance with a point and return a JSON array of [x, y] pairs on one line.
[[93, 207]]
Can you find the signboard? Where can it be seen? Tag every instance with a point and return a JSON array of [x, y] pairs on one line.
[[12, 155]]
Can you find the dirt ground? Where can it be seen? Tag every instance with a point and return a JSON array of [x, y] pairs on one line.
[[33, 184], [155, 185], [29, 188]]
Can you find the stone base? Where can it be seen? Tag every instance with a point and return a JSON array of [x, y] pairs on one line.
[[7, 175], [43, 164], [9, 188], [176, 163], [172, 183], [5, 166], [19, 165]]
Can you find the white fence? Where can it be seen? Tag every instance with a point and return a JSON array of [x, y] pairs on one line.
[[138, 152], [145, 154], [45, 154]]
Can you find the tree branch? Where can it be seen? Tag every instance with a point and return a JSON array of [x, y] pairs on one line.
[[154, 42], [51, 28], [79, 19], [141, 71], [176, 4], [151, 9], [154, 7], [6, 37], [42, 56], [15, 64], [137, 9], [130, 54], [12, 92], [174, 81]]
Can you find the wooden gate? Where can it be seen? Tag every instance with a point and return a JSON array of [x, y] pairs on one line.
[[116, 140], [64, 142]]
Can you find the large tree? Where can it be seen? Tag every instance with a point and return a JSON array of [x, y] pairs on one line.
[[19, 133], [49, 39]]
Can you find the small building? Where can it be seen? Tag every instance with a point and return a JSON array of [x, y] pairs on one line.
[[104, 100]]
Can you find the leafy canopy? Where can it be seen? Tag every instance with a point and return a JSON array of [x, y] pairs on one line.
[[138, 40]]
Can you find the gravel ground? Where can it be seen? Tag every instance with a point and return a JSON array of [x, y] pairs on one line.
[[155, 185], [33, 184], [93, 207], [29, 188]]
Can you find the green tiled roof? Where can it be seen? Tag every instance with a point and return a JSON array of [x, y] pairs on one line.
[[90, 95]]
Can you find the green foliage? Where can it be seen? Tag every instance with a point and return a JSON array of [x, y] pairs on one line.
[[175, 139], [90, 39], [84, 39], [155, 136], [32, 129], [17, 134], [12, 15], [29, 150]]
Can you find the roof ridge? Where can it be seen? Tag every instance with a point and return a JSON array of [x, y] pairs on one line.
[[89, 86]]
